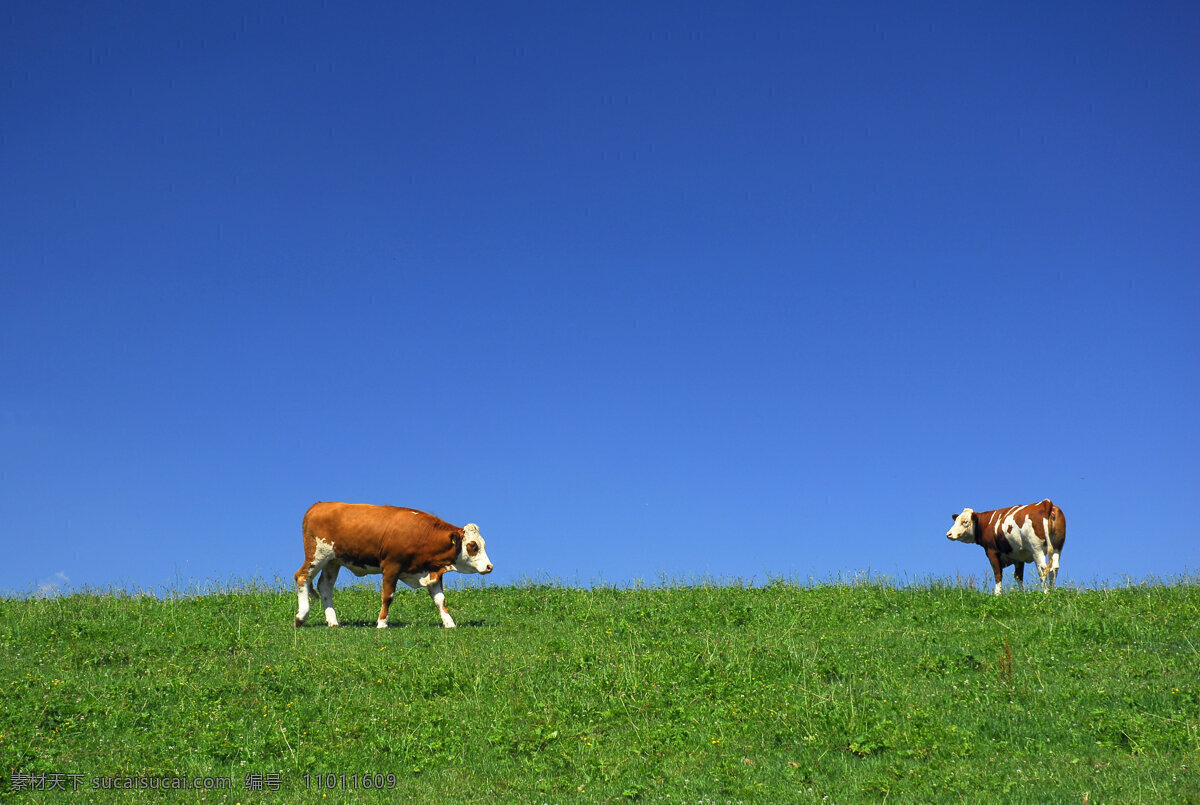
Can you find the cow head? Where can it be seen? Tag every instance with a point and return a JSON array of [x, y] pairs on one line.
[[963, 529], [472, 558]]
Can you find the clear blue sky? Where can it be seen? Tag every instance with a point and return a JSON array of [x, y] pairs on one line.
[[646, 289]]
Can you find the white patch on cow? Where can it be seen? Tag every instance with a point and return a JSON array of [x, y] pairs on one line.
[[417, 582], [323, 555], [1020, 539], [997, 590], [381, 624], [1009, 526], [963, 529]]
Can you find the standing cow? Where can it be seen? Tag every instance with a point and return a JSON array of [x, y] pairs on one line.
[[403, 544], [1014, 536]]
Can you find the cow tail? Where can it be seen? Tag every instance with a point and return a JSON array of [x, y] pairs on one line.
[[310, 542], [1048, 518]]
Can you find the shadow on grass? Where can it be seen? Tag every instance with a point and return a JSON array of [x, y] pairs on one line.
[[359, 624]]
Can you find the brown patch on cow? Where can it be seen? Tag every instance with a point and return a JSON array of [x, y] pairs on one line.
[[472, 548], [1040, 514], [1058, 527]]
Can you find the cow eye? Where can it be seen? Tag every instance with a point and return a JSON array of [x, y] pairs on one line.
[[472, 548]]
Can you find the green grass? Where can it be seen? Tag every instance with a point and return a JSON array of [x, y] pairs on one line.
[[705, 693]]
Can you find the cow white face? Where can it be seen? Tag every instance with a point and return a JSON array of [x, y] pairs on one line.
[[472, 558], [963, 529]]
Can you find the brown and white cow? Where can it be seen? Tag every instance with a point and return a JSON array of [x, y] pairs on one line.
[[403, 544], [1014, 536]]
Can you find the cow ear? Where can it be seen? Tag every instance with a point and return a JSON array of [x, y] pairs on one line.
[[954, 518]]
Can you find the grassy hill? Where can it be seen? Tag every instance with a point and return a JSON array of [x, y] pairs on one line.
[[840, 693]]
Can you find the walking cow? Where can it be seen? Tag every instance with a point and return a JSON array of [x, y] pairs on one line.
[[403, 544]]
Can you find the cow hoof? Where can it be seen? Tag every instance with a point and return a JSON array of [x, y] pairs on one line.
[[299, 623], [381, 625]]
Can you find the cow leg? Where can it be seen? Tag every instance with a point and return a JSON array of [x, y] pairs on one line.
[[1052, 572], [1043, 570], [302, 589], [325, 585], [997, 569], [1019, 574], [439, 601], [314, 562], [389, 592]]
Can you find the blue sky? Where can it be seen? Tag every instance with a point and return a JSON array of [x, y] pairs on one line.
[[646, 290]]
